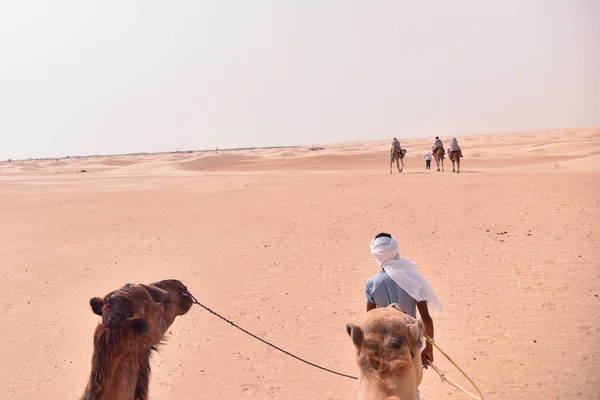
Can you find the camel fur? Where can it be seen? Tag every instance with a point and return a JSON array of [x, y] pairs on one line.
[[388, 353], [134, 321]]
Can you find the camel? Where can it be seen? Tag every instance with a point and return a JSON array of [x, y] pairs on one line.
[[398, 157], [455, 157], [388, 353], [134, 321], [438, 155], [455, 154]]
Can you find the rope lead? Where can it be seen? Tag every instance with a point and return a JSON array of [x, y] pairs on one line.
[[430, 340]]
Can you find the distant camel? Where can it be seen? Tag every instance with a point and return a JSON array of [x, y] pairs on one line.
[[388, 353], [398, 157], [455, 154], [438, 154], [455, 158], [134, 321]]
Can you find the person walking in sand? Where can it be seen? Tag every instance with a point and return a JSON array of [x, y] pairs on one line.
[[428, 160], [399, 281]]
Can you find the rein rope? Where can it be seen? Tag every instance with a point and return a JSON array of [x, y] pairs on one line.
[[435, 368], [450, 381], [264, 341]]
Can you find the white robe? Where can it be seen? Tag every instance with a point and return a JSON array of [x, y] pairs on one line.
[[454, 145]]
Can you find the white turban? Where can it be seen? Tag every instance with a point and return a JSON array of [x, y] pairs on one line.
[[403, 271]]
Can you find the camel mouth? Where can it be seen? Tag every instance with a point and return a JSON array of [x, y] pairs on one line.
[[188, 298]]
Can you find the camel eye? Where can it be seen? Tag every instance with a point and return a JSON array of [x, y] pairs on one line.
[[397, 342]]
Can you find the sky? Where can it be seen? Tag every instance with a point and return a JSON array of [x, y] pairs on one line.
[[107, 77]]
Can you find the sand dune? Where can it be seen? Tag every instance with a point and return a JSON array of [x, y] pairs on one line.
[[222, 161], [544, 148], [277, 240], [496, 151]]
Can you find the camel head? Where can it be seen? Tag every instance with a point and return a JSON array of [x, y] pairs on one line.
[[142, 313], [388, 353], [135, 319]]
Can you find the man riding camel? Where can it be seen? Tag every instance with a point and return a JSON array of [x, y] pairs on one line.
[[396, 155], [454, 147], [399, 281], [437, 145]]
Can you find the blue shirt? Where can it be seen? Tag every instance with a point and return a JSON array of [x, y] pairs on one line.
[[382, 291]]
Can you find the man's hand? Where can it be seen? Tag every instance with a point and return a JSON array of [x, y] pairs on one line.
[[427, 354]]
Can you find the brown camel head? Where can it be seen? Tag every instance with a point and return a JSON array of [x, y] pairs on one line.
[[142, 313], [388, 353], [134, 320]]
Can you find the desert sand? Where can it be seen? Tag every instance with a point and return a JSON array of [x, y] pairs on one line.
[[278, 241]]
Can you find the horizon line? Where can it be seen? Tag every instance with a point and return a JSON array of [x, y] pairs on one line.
[[217, 149]]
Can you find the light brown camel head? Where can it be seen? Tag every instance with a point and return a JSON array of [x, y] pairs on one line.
[[134, 321], [388, 354]]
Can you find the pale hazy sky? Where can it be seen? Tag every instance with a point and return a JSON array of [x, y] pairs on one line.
[[93, 77]]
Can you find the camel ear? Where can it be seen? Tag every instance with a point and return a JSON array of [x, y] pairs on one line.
[[355, 333], [415, 333], [157, 294], [97, 303]]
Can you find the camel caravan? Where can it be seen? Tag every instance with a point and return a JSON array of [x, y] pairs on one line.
[[136, 317], [388, 342], [454, 153], [437, 152]]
